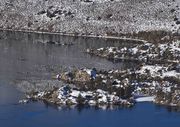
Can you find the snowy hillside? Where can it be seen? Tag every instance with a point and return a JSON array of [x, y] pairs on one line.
[[90, 17]]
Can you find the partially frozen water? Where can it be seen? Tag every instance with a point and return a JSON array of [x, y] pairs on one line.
[[27, 57]]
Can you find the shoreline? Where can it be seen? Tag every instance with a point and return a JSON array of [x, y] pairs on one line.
[[73, 35]]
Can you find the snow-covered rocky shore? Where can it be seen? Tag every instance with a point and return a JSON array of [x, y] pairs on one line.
[[159, 72], [147, 52], [155, 83], [67, 96]]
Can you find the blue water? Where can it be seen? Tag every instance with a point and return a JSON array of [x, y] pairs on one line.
[[40, 115], [23, 58]]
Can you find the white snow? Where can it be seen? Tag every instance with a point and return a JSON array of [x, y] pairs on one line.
[[103, 99], [145, 99], [40, 94], [75, 93], [166, 89], [153, 70], [88, 71], [73, 100], [118, 81], [134, 50], [104, 81], [110, 49], [171, 74], [100, 49], [160, 71], [92, 102], [23, 101], [101, 91]]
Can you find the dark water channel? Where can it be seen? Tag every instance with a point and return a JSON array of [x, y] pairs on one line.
[[29, 57]]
